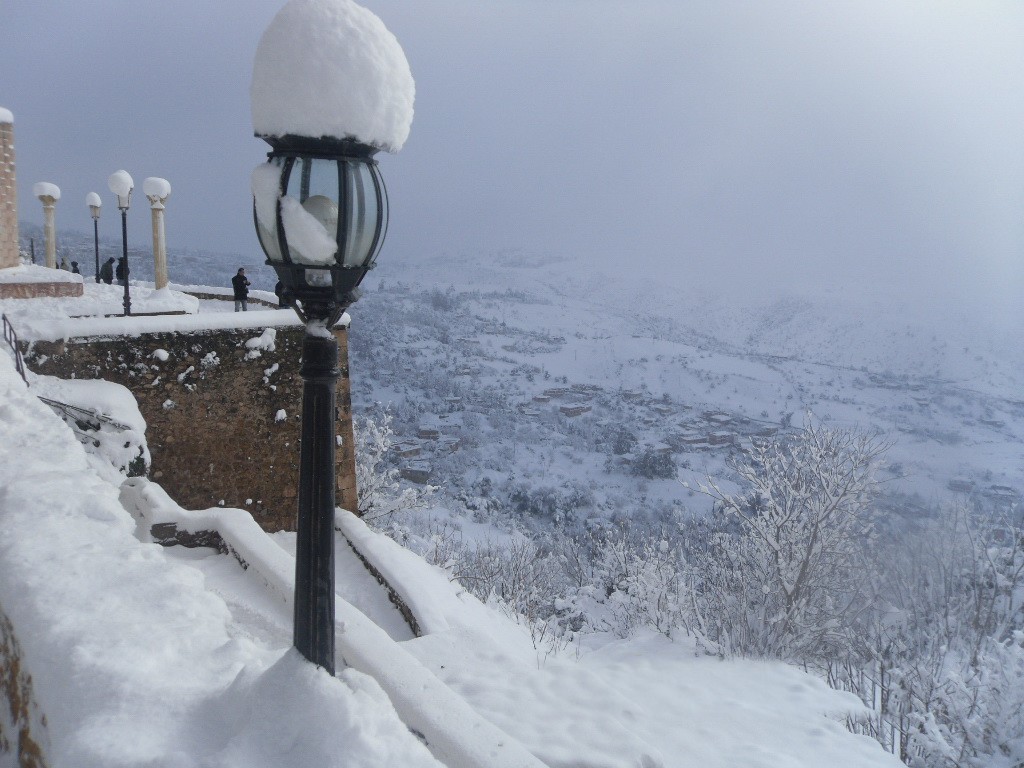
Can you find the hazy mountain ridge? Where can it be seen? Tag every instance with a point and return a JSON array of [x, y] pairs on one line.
[[468, 341], [503, 329]]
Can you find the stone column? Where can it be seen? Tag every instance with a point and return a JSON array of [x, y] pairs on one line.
[[346, 493], [8, 194], [157, 191], [48, 195]]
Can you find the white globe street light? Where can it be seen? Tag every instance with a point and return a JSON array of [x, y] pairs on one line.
[[121, 184], [95, 203]]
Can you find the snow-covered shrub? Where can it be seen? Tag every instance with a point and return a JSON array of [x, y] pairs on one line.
[[654, 465], [444, 301], [788, 584], [642, 576], [623, 441], [548, 504], [613, 580], [941, 658], [518, 575], [378, 485], [623, 577], [520, 572]]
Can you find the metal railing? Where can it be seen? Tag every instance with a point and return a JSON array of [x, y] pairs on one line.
[[12, 340], [84, 419]]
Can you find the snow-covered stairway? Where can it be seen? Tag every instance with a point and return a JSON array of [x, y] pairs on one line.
[[454, 733]]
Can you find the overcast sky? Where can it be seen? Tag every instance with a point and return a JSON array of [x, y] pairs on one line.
[[761, 143]]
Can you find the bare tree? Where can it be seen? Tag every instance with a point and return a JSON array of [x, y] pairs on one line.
[[380, 492], [790, 582], [941, 660]]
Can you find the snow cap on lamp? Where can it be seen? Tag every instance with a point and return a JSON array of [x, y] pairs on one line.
[[46, 189], [154, 186], [121, 184], [330, 69]]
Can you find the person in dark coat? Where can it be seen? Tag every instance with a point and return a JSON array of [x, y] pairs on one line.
[[107, 271], [240, 285], [74, 268], [279, 291], [121, 273]]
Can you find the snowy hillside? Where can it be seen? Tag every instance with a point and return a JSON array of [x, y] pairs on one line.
[[540, 435], [472, 344], [141, 655]]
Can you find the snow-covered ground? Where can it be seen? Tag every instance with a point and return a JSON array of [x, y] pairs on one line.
[[99, 312], [131, 656], [141, 655]]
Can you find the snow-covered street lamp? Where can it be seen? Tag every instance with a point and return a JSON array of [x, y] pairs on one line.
[[48, 195], [121, 184], [331, 87], [157, 191], [94, 203]]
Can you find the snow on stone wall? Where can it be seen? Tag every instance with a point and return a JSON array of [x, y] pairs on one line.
[[243, 452]]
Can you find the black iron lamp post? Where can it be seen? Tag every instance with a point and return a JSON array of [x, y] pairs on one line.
[[320, 210], [121, 185], [94, 203]]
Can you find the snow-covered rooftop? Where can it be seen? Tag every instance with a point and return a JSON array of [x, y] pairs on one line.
[[330, 68]]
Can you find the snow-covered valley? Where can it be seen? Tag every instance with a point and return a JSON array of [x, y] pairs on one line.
[[542, 406], [529, 372]]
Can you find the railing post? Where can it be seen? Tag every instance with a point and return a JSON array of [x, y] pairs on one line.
[[11, 337]]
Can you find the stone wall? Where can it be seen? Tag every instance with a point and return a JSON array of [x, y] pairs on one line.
[[22, 725], [40, 290], [213, 410]]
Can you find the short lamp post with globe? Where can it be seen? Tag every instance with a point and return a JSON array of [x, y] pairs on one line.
[[321, 214], [95, 203], [121, 184]]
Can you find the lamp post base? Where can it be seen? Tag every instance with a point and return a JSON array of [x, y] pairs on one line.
[[314, 552], [96, 245]]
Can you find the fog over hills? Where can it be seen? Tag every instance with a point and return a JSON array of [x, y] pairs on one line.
[[944, 391], [580, 448], [470, 343]]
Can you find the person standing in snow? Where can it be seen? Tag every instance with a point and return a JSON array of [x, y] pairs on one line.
[[240, 284], [122, 271], [279, 291], [74, 268], [107, 271], [64, 264]]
